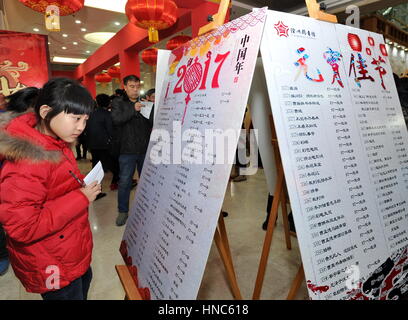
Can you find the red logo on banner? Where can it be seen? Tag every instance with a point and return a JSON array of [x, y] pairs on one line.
[[283, 31]]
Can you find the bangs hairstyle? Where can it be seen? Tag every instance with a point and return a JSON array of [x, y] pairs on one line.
[[64, 95]]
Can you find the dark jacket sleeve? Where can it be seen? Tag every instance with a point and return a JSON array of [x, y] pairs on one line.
[[122, 112]]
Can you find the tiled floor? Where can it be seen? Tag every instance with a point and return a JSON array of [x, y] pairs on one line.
[[244, 201]]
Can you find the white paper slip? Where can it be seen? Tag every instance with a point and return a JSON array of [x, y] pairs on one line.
[[146, 109], [96, 174]]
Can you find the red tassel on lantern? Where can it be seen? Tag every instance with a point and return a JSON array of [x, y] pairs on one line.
[[153, 15], [177, 41]]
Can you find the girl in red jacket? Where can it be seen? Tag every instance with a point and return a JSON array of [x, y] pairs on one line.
[[44, 206]]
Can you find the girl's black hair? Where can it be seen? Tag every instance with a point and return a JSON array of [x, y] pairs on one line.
[[23, 99], [64, 95]]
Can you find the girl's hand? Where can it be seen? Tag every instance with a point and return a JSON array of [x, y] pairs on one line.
[[91, 190]]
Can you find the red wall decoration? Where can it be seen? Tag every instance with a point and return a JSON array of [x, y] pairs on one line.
[[23, 61]]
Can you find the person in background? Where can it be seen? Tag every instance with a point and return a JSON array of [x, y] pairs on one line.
[[44, 202], [118, 93], [99, 134], [402, 89], [134, 133], [81, 142], [150, 96]]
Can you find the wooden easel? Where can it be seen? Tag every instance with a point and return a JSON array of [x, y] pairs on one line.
[[315, 11], [221, 241]]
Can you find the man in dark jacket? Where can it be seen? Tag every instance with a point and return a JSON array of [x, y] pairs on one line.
[[134, 135], [99, 131]]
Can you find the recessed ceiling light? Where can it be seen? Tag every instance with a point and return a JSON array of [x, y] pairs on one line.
[[99, 37], [49, 42], [117, 23], [117, 5], [64, 48], [75, 43], [77, 21], [87, 51], [141, 81], [83, 29], [65, 35], [36, 29], [68, 60]]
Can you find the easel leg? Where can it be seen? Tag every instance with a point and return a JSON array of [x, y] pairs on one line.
[[268, 237], [285, 219], [225, 253], [131, 291], [300, 276]]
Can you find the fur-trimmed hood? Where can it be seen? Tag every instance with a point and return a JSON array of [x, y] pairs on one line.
[[19, 140]]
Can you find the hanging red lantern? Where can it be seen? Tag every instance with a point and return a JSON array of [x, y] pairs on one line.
[[103, 78], [114, 72], [53, 9], [152, 15], [177, 41], [66, 7], [149, 56]]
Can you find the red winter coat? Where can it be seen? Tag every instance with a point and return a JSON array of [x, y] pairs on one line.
[[44, 213]]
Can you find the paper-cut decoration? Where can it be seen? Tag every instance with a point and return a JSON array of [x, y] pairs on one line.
[[354, 42]]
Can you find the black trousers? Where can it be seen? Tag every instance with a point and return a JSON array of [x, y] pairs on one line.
[[3, 249], [76, 290]]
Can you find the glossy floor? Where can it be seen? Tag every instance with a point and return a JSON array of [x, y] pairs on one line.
[[246, 204]]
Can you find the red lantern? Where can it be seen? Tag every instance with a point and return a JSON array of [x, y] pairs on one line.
[[66, 7], [176, 42], [114, 72], [153, 15], [103, 78], [149, 56]]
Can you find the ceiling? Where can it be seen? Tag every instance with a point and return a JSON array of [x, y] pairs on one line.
[[23, 19]]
